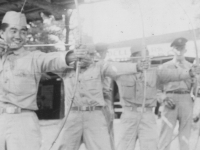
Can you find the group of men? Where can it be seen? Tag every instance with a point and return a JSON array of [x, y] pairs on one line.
[[171, 79], [90, 117]]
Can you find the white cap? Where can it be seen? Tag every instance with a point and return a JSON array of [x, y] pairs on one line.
[[14, 18]]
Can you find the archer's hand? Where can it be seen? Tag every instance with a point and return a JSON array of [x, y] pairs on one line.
[[169, 103], [88, 57], [143, 65], [76, 55], [86, 61], [81, 52]]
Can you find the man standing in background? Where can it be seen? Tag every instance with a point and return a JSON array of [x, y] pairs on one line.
[[135, 125], [178, 104]]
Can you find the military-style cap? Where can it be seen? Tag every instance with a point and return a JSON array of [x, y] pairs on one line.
[[14, 18], [101, 47], [179, 42]]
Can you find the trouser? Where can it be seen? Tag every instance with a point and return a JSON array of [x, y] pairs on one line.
[[146, 132], [183, 113], [19, 131], [109, 115], [87, 126]]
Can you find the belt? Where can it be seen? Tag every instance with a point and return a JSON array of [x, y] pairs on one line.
[[178, 92], [87, 108], [138, 109], [10, 110]]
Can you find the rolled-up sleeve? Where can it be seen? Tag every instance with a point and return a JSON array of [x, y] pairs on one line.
[[50, 62], [114, 69]]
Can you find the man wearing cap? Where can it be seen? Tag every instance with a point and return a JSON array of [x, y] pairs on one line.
[[20, 73], [86, 121], [102, 49], [135, 125], [177, 103]]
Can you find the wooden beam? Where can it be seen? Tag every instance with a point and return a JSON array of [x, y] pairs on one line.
[[2, 3], [66, 2], [53, 8], [79, 1], [7, 6], [57, 10], [10, 2], [32, 10]]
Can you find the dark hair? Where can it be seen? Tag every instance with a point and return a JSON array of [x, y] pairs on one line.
[[3, 26]]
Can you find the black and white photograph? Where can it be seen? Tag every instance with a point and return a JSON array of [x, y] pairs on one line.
[[99, 74]]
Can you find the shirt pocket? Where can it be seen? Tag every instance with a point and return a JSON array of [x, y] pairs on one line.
[[24, 82], [92, 83], [128, 89]]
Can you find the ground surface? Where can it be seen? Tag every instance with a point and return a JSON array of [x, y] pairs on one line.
[[50, 129]]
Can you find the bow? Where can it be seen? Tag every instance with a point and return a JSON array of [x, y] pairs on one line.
[[76, 81], [144, 72]]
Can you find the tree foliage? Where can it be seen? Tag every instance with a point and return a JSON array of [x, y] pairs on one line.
[[47, 31]]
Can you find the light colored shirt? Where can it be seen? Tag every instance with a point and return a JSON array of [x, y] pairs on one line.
[[177, 85], [107, 88], [131, 87], [20, 74], [90, 84]]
